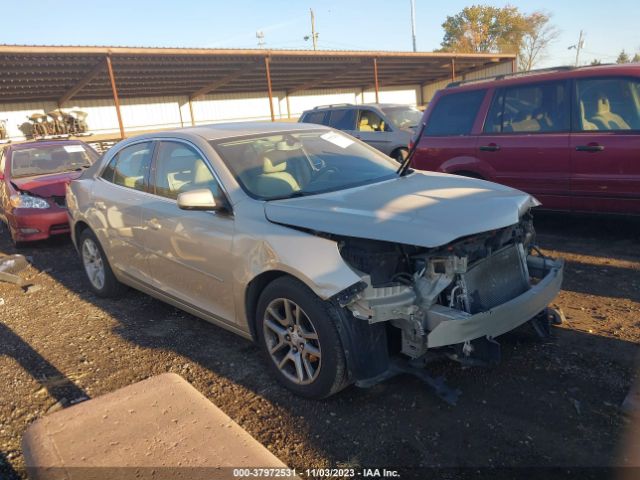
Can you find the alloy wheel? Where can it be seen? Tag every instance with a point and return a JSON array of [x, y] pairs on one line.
[[93, 263], [292, 341]]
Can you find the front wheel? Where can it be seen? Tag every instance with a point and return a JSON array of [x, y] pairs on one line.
[[96, 266], [297, 332]]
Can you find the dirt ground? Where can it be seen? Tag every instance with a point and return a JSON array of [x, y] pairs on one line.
[[549, 403]]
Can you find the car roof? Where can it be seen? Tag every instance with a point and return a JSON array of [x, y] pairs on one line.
[[547, 74], [353, 105], [219, 131]]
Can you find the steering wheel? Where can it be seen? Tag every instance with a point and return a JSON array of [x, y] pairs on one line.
[[324, 173]]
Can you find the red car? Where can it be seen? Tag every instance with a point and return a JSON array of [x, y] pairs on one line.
[[33, 179], [569, 136]]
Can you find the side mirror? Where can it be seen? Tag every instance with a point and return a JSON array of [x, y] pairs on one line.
[[200, 199]]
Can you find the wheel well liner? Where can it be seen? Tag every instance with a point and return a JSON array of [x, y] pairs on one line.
[[252, 294], [78, 229]]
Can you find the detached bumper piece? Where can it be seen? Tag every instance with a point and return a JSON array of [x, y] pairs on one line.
[[457, 327]]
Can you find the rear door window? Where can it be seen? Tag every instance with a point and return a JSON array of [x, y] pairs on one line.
[[130, 166], [343, 119], [606, 104], [315, 117], [537, 108], [454, 114]]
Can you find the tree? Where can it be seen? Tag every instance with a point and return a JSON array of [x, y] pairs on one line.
[[636, 58], [623, 57], [596, 61], [538, 36], [484, 29]]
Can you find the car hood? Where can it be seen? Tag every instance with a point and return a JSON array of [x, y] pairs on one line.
[[427, 210], [46, 185]]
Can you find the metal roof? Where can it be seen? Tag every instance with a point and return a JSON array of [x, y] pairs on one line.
[[62, 73]]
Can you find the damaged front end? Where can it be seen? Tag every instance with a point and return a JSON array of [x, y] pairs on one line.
[[456, 298]]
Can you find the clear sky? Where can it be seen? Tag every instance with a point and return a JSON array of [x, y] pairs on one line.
[[609, 25]]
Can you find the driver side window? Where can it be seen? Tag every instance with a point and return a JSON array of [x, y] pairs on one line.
[[180, 168], [369, 121]]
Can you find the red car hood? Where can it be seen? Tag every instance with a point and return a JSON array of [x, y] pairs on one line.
[[46, 185]]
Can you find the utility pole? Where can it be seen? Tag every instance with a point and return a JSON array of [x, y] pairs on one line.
[[314, 34], [260, 37], [578, 46], [413, 24]]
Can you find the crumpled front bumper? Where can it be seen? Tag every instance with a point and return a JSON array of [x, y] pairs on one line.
[[455, 326]]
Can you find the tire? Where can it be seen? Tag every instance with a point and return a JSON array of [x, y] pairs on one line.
[[96, 266], [400, 155], [307, 344]]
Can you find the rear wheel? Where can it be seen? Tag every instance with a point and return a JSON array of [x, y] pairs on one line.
[[96, 266], [297, 332]]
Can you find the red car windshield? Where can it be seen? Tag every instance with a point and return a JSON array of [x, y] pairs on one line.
[[45, 160]]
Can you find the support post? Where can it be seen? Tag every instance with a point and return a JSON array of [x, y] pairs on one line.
[[513, 65], [193, 120], [453, 69], [267, 62], [375, 79], [116, 100], [286, 96]]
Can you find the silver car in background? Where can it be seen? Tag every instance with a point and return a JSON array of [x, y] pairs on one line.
[[387, 127], [310, 243]]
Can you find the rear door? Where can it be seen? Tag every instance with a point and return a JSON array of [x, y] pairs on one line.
[[525, 140], [117, 196], [605, 145], [448, 143], [342, 119], [188, 252]]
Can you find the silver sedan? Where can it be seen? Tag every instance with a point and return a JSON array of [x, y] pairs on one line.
[[310, 243]]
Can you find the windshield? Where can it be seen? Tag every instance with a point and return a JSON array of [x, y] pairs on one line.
[[302, 163], [45, 160], [403, 117]]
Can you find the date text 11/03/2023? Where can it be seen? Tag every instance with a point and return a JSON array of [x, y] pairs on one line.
[[315, 473]]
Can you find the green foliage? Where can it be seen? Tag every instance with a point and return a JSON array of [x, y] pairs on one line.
[[596, 61], [485, 29], [623, 57]]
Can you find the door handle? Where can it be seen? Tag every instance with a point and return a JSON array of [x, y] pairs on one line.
[[590, 148], [101, 206], [153, 223], [492, 147]]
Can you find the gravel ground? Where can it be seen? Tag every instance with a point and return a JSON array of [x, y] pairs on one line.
[[549, 403]]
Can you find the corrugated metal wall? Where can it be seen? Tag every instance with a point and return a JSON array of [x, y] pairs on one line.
[[155, 113], [428, 91]]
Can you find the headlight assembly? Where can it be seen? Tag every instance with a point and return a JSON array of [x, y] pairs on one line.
[[27, 201]]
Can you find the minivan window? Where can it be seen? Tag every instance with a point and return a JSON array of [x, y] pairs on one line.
[[315, 117], [608, 104], [129, 167], [343, 119], [454, 114], [370, 121], [542, 107]]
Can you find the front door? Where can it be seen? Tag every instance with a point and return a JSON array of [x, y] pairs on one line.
[[189, 252], [373, 130], [605, 145], [525, 141]]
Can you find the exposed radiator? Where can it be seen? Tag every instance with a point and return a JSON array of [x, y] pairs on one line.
[[496, 279]]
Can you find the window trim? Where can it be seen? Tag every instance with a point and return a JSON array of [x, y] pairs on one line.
[[575, 106], [499, 91]]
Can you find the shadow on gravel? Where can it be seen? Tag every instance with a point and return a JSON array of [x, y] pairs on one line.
[[6, 470], [548, 403], [55, 382]]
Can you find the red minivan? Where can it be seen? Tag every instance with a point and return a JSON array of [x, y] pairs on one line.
[[569, 136]]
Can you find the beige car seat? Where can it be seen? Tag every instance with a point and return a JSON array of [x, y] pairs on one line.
[[275, 180], [586, 124], [364, 126], [605, 119]]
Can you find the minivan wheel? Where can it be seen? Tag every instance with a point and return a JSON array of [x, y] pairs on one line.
[[101, 278], [297, 332]]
